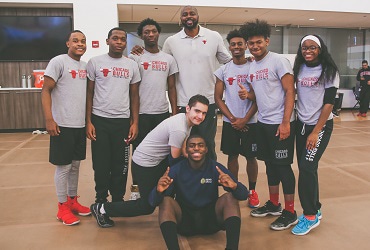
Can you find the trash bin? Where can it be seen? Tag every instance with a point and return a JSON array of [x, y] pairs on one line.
[[338, 104], [39, 78]]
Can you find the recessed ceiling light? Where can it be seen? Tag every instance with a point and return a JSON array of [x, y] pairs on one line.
[[311, 19], [277, 30]]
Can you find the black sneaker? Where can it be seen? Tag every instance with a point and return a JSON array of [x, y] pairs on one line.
[[103, 220], [266, 209], [285, 220]]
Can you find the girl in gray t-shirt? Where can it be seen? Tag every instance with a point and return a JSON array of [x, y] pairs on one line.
[[316, 77]]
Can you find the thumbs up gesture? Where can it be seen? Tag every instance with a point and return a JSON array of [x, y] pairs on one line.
[[243, 92], [225, 180], [164, 182]]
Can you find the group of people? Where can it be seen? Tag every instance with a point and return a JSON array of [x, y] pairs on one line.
[[115, 101]]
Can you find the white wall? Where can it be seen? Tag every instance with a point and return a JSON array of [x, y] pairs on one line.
[[96, 17], [95, 20], [359, 6]]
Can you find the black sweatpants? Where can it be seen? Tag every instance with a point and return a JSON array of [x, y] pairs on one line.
[[364, 99], [308, 163], [147, 178], [110, 157]]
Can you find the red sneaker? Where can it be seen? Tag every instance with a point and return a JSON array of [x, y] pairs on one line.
[[363, 114], [76, 207], [359, 114], [253, 199], [65, 215]]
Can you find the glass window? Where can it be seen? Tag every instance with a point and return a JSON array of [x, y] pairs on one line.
[[345, 46]]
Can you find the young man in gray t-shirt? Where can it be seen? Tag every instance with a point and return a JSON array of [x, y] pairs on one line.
[[157, 70], [63, 99], [112, 108], [271, 77], [239, 125], [159, 149]]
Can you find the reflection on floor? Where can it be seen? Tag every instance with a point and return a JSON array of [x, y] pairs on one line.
[[28, 202]]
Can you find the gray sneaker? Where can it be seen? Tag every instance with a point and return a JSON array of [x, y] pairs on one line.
[[285, 220], [267, 209], [103, 220]]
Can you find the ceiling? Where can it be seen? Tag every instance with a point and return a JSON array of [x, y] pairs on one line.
[[131, 13]]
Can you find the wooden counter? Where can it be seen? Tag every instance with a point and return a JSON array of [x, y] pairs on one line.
[[21, 108]]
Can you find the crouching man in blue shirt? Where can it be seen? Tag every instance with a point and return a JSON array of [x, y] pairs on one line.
[[198, 209]]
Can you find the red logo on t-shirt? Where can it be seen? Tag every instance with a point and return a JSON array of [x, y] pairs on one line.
[[251, 76], [105, 71], [145, 65], [231, 80], [204, 41], [73, 73]]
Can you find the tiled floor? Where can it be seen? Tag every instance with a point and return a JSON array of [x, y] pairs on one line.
[[28, 202]]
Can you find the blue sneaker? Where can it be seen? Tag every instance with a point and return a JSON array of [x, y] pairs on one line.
[[304, 226], [319, 215]]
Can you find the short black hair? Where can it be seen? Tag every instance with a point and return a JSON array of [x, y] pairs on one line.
[[364, 61], [256, 28], [145, 22], [198, 98], [232, 34], [116, 28], [74, 31], [195, 136], [188, 6]]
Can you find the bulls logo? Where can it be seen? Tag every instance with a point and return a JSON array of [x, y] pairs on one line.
[[231, 80], [204, 41], [73, 73], [105, 71], [146, 65], [251, 76]]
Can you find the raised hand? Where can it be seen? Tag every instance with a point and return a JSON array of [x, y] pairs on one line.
[[164, 182], [225, 179], [243, 92]]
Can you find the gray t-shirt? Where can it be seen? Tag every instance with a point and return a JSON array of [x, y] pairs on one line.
[[156, 146], [310, 94], [265, 76], [232, 74], [154, 70], [69, 95], [112, 77]]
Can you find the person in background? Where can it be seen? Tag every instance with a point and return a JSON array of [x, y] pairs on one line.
[[363, 76], [112, 115], [238, 129], [64, 101], [271, 78], [198, 208], [317, 80], [157, 70]]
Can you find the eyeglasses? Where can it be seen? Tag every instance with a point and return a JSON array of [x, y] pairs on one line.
[[311, 48]]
